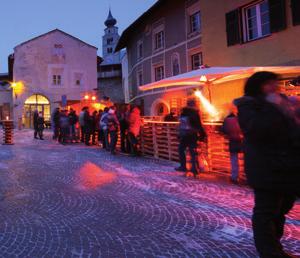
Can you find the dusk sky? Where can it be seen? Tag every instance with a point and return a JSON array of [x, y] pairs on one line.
[[22, 20]]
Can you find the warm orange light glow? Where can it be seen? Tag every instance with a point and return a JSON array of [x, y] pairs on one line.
[[210, 109], [92, 176], [7, 118], [98, 106], [18, 87], [86, 97], [94, 98], [203, 78]]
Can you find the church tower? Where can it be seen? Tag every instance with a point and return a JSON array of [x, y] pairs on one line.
[[110, 41]]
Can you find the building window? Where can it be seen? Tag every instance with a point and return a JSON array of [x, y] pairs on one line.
[[140, 50], [109, 41], [196, 61], [140, 78], [56, 80], [175, 64], [195, 22], [257, 21], [159, 40], [159, 73], [78, 82], [109, 50]]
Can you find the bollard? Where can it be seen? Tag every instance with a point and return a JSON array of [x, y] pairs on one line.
[[8, 132]]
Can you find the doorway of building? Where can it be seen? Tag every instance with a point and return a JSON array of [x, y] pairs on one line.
[[34, 103]]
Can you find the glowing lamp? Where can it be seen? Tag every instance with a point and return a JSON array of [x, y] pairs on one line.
[[203, 78], [86, 97], [7, 118], [93, 98], [14, 85]]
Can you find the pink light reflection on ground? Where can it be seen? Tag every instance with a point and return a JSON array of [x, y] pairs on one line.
[[92, 177]]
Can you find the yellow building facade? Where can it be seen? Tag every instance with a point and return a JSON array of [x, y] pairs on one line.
[[250, 33]]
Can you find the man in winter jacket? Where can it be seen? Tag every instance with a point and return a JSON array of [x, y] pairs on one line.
[[232, 130], [190, 131], [81, 123], [35, 123], [55, 123], [104, 128], [40, 125], [272, 164], [113, 127], [73, 119]]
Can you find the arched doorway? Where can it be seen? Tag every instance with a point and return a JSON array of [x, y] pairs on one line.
[[160, 108], [39, 103]]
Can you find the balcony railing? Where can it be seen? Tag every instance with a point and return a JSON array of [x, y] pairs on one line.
[[110, 74]]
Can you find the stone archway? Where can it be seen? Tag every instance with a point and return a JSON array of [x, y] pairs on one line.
[[35, 102], [160, 108]]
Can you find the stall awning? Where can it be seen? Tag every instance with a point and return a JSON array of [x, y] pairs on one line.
[[215, 75]]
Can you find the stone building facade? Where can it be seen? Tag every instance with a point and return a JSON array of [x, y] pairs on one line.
[[49, 67], [110, 70], [163, 42], [175, 37]]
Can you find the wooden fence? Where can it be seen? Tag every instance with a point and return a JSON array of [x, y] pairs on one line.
[[160, 140]]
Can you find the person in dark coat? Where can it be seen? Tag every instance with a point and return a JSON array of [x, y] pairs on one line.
[[87, 119], [104, 129], [55, 123], [73, 120], [40, 125], [170, 117], [64, 124], [232, 130], [272, 163], [35, 123], [124, 124], [190, 132], [94, 126], [113, 127]]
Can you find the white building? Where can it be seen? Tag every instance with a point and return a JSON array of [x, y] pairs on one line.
[[48, 67]]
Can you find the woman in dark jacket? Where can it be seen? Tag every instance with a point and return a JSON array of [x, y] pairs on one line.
[[272, 164]]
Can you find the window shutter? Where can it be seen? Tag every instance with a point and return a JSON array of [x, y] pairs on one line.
[[296, 12], [233, 27], [277, 15]]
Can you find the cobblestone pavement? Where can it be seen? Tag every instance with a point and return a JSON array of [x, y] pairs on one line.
[[73, 201]]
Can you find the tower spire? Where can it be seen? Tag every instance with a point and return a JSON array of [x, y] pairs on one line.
[[110, 21]]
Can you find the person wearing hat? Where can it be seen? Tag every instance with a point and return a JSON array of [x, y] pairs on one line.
[[190, 132]]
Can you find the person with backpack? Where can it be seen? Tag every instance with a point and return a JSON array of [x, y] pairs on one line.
[[232, 130], [190, 132], [113, 127], [64, 127]]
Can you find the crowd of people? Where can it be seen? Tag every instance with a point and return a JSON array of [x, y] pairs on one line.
[[101, 127], [263, 124]]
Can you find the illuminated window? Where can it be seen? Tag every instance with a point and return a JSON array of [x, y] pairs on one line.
[[159, 73], [195, 24]]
